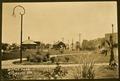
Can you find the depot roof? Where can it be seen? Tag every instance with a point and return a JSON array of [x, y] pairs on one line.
[[29, 41]]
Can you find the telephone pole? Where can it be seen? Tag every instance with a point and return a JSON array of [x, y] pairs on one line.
[[72, 44], [112, 28], [112, 32], [79, 37]]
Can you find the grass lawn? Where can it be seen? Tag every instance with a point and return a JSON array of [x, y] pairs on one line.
[[74, 58], [98, 58], [106, 72], [101, 72]]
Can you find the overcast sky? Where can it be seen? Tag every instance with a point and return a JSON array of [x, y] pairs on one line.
[[48, 22]]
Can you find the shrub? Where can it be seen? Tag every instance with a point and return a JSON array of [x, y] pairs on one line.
[[67, 59], [88, 70], [33, 73], [58, 72], [32, 58], [54, 59], [4, 74], [77, 72], [38, 57], [48, 55]]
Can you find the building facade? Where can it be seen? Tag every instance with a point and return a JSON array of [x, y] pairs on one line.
[[114, 36]]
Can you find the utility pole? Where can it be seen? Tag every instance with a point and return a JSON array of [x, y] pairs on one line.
[[72, 44], [79, 37], [68, 44], [112, 32], [112, 28]]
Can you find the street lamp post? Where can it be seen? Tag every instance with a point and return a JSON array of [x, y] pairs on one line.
[[21, 14]]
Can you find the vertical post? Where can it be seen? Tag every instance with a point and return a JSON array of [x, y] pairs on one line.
[[112, 57], [68, 45], [21, 14], [112, 29], [79, 38], [113, 33], [72, 44], [21, 39]]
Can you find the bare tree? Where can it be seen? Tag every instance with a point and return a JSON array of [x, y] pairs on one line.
[[112, 62]]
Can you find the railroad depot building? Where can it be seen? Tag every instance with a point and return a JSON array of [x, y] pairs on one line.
[[30, 44]]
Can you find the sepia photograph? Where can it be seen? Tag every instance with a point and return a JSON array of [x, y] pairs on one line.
[[59, 40]]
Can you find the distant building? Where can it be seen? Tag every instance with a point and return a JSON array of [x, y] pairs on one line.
[[92, 44], [98, 42], [29, 44], [59, 45], [114, 35]]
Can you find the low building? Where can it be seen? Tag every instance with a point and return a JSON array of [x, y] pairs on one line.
[[59, 45], [29, 44]]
